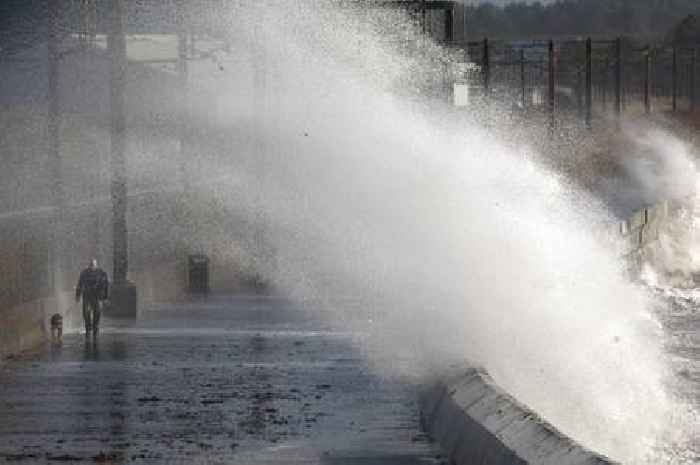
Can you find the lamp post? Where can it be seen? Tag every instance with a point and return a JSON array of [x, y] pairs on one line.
[[123, 296], [54, 147]]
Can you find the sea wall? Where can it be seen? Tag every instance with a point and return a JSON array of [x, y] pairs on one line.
[[476, 422]]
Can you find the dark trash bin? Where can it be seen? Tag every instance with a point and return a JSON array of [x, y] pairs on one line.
[[199, 274]]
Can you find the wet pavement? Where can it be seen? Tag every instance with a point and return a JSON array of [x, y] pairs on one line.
[[248, 380]]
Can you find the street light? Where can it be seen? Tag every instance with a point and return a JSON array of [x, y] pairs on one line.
[[123, 295]]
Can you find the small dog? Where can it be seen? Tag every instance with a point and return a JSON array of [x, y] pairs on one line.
[[56, 327]]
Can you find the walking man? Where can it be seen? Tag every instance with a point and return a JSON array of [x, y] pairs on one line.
[[93, 287]]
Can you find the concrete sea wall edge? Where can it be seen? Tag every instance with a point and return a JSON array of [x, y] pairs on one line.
[[477, 422]]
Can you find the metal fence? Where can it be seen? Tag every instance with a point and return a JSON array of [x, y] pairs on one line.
[[587, 77]]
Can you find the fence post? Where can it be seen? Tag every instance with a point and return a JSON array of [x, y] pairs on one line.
[[618, 76], [522, 77], [449, 25], [551, 95], [674, 77], [579, 92], [693, 84], [486, 69], [606, 81], [589, 82], [647, 81]]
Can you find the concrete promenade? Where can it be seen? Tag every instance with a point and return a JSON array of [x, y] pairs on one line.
[[246, 380]]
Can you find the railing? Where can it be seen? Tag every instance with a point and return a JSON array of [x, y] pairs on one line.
[[590, 77]]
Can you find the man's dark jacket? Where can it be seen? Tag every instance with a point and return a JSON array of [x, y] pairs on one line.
[[92, 285]]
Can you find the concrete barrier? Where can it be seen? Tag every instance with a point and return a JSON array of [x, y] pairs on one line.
[[477, 422]]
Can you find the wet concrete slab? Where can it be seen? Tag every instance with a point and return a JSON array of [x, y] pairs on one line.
[[223, 381]]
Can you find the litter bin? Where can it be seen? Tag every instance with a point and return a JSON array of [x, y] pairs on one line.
[[199, 274]]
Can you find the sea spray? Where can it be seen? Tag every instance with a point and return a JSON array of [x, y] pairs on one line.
[[395, 215]]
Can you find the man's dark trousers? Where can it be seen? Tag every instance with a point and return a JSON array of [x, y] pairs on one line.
[[91, 314]]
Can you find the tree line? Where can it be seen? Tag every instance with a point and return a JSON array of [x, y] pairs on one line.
[[644, 19]]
